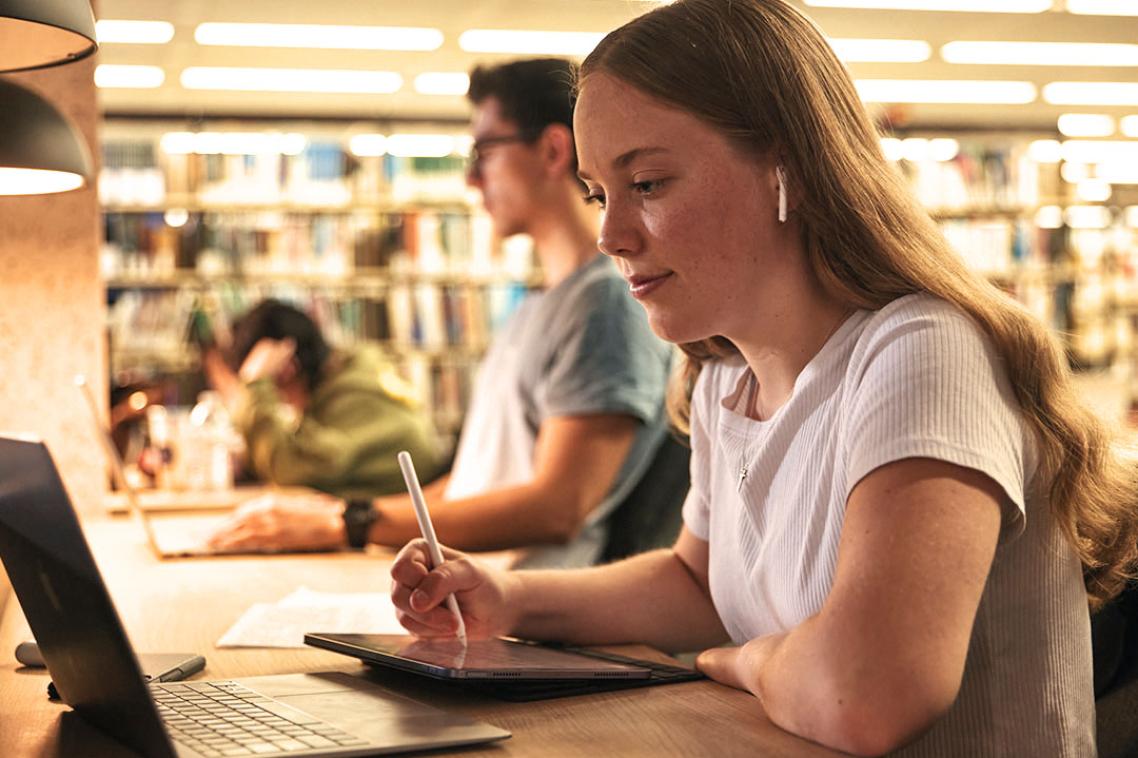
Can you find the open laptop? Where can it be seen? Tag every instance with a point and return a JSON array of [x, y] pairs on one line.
[[96, 672], [167, 536]]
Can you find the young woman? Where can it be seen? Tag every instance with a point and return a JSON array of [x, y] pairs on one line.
[[898, 508]]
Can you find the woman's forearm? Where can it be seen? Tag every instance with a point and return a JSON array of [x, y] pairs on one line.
[[651, 599], [825, 682]]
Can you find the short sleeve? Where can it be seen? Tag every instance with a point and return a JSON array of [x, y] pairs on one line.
[[608, 360], [929, 385], [696, 510]]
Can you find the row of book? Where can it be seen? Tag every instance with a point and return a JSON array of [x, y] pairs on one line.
[[151, 245], [136, 172], [983, 174], [419, 317]]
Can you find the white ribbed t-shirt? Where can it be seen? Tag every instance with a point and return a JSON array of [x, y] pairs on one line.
[[915, 379]]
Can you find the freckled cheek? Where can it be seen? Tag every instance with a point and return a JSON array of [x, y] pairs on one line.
[[676, 230]]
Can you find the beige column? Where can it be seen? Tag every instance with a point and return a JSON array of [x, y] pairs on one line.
[[52, 309]]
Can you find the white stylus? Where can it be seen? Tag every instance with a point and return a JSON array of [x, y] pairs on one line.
[[428, 530]]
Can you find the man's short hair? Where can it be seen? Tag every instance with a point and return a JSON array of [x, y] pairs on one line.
[[273, 319], [533, 93]]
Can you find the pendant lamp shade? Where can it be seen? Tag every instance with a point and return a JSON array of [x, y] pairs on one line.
[[42, 33], [40, 151]]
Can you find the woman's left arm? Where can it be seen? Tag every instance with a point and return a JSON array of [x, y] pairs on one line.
[[884, 657]]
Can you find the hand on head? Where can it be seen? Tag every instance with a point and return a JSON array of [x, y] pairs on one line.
[[283, 523], [419, 592], [269, 359]]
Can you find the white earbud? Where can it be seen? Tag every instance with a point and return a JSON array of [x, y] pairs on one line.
[[781, 174]]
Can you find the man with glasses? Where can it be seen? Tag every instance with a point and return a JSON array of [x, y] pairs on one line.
[[567, 409]]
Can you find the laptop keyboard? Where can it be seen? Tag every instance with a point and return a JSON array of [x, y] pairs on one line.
[[223, 719]]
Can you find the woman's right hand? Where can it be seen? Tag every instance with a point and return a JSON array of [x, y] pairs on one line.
[[419, 594]]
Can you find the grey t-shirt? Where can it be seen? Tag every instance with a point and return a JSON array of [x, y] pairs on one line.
[[583, 347]]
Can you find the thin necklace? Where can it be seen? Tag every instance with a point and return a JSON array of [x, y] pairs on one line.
[[752, 387], [751, 406]]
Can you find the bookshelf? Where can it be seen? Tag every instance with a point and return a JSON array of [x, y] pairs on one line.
[[393, 249], [380, 248], [1005, 204]]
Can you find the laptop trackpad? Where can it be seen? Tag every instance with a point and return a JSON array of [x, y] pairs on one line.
[[370, 711]]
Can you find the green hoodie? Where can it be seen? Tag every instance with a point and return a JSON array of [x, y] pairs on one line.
[[358, 417]]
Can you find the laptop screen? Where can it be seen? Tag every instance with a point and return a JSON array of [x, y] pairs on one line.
[[66, 603]]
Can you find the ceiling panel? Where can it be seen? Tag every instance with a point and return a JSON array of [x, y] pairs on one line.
[[455, 16]]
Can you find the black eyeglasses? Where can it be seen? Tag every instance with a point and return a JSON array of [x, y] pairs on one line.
[[478, 149]]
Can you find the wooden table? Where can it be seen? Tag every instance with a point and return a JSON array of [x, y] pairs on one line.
[[185, 605]]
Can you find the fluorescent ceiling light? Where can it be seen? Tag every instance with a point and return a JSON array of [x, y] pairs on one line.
[[319, 36], [1103, 7], [1086, 125], [1093, 191], [176, 217], [1087, 217], [177, 143], [919, 149], [1100, 151], [1129, 126], [891, 148], [110, 76], [1074, 172], [36, 181], [342, 81], [442, 83], [520, 42], [1041, 53], [945, 91], [1091, 93], [974, 6], [1049, 217], [134, 32], [881, 50], [1117, 173], [233, 143], [915, 149], [367, 145], [420, 145], [1045, 151], [943, 149]]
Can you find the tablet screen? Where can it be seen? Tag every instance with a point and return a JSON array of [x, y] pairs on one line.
[[478, 659]]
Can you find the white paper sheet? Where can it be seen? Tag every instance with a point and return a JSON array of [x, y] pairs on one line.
[[284, 623]]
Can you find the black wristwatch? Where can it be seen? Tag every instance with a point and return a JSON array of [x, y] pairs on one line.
[[359, 515]]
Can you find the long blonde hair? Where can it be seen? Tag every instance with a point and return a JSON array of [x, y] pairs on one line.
[[763, 74]]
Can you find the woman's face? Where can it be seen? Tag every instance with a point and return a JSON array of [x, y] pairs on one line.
[[690, 218]]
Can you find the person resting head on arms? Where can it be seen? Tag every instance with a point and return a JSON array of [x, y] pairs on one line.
[[314, 416], [898, 506]]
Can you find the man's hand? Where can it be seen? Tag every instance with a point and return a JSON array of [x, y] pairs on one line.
[[283, 523], [269, 359]]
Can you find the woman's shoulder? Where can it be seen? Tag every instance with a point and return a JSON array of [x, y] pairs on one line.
[[919, 318]]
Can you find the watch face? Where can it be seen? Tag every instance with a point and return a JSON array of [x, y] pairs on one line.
[[358, 517]]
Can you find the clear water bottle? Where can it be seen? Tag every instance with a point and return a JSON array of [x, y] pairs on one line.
[[211, 433]]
